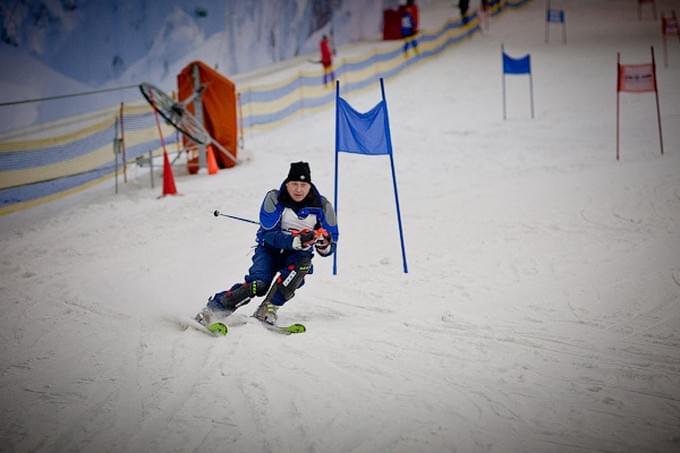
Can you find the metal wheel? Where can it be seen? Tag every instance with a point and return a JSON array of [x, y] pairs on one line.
[[175, 113]]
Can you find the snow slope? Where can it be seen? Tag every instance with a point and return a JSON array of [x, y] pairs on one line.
[[541, 311]]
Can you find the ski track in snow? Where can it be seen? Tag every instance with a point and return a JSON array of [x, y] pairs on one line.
[[541, 311]]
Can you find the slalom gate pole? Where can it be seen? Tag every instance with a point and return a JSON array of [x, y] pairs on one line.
[[394, 179], [503, 73], [658, 108], [335, 197], [531, 92], [618, 95]]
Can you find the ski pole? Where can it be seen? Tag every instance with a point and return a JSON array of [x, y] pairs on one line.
[[218, 214]]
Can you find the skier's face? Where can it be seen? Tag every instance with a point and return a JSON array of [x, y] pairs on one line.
[[298, 190]]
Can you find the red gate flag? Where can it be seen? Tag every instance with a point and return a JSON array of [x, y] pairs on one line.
[[637, 78], [669, 25]]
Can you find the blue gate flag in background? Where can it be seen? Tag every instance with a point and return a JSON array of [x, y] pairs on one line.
[[362, 133], [369, 134], [555, 15], [517, 66]]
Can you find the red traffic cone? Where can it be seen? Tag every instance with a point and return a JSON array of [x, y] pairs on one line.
[[168, 179], [212, 163]]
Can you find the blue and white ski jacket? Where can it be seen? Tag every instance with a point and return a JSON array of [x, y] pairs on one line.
[[279, 216]]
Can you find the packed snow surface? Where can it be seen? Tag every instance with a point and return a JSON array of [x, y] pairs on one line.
[[541, 310]]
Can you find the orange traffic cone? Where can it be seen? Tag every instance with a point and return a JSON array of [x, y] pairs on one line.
[[168, 179], [212, 163]]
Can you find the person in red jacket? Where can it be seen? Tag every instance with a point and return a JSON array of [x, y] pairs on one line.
[[327, 60]]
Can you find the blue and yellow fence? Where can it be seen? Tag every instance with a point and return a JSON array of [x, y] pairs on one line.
[[51, 164], [269, 105]]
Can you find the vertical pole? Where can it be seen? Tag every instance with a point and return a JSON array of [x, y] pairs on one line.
[[198, 113], [503, 78], [547, 25], [531, 89], [658, 109], [122, 142], [564, 28], [618, 91], [160, 135], [394, 177], [335, 198], [665, 49], [240, 122], [116, 143], [639, 10]]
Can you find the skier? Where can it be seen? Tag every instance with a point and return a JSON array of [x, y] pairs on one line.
[[463, 6], [294, 221], [326, 60], [409, 26]]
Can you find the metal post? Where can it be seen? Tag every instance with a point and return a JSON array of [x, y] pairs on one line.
[[198, 113], [116, 144], [531, 91], [503, 72], [240, 115], [122, 142]]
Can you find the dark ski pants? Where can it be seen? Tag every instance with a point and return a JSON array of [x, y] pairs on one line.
[[267, 262]]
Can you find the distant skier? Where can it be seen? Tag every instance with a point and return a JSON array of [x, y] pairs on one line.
[[326, 60], [294, 221], [409, 26], [463, 6]]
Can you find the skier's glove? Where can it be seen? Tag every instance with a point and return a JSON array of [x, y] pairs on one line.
[[304, 239], [323, 242]]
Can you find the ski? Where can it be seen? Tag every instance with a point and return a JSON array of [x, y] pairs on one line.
[[285, 330], [220, 329], [216, 329]]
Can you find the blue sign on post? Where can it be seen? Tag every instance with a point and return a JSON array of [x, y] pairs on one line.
[[364, 133], [516, 66]]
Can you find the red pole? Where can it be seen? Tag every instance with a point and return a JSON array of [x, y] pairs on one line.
[[618, 90], [658, 109]]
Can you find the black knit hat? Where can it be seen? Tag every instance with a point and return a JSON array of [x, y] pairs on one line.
[[299, 171]]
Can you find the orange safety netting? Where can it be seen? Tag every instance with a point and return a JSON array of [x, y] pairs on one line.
[[219, 110]]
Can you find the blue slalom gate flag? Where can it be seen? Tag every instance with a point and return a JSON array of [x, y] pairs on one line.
[[516, 65], [362, 133], [554, 15], [369, 134]]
